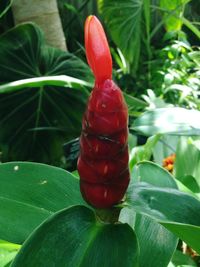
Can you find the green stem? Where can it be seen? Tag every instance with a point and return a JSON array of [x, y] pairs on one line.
[[108, 215], [148, 39], [38, 112]]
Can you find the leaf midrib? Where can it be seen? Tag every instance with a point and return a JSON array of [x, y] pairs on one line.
[[95, 231]]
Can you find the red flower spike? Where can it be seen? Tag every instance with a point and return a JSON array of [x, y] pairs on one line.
[[103, 161], [97, 50]]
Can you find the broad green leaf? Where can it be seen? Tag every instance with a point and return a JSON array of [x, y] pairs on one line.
[[176, 121], [177, 211], [60, 80], [180, 208], [158, 251], [29, 193], [186, 189], [71, 152], [40, 102], [8, 246], [155, 252], [153, 174], [190, 182], [180, 259], [75, 237], [144, 152], [173, 11], [187, 232], [33, 58], [7, 252], [124, 21], [187, 168], [165, 147], [133, 102], [6, 257], [4, 6]]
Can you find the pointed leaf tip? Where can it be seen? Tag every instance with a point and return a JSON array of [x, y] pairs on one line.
[[97, 49]]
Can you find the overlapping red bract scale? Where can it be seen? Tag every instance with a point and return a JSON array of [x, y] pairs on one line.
[[103, 147], [104, 170], [103, 160]]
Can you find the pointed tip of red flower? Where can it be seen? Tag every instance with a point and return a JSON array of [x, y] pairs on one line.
[[97, 49]]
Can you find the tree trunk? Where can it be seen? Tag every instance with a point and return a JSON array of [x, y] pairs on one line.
[[45, 14]]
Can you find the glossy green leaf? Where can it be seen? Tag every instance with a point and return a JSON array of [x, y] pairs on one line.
[[158, 251], [144, 152], [6, 257], [180, 208], [156, 243], [124, 20], [165, 147], [180, 259], [155, 252], [177, 121], [152, 173], [75, 237], [187, 232], [190, 182], [60, 80], [4, 6], [71, 152], [177, 211], [9, 246], [133, 102], [29, 193], [7, 252], [173, 11], [31, 99], [187, 168]]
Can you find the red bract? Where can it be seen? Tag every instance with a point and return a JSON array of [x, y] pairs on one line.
[[97, 50], [103, 160]]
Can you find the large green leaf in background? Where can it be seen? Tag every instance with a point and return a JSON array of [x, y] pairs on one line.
[[29, 193], [156, 243], [173, 11], [75, 237], [153, 174], [165, 147], [187, 168], [143, 152], [123, 19], [35, 122], [4, 6], [177, 211], [182, 260], [151, 200], [7, 252], [160, 201], [177, 121]]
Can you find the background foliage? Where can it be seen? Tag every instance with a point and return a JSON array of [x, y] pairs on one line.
[[43, 94]]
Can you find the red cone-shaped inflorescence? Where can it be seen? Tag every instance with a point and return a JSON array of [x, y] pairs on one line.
[[103, 160]]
